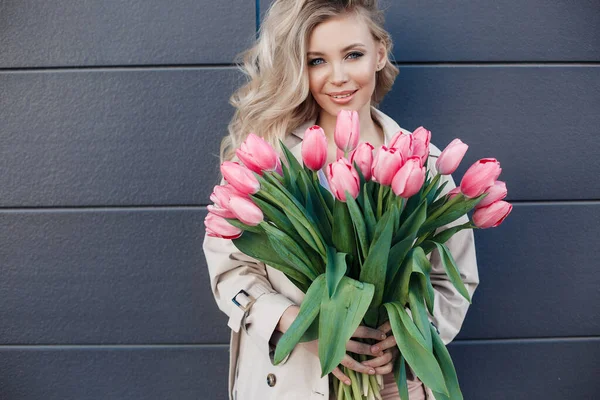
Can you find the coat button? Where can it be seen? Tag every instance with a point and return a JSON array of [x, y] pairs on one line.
[[271, 380]]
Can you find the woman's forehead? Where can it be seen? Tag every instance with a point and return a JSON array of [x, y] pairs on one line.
[[338, 33]]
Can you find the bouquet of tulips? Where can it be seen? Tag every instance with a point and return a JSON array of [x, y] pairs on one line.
[[358, 250]]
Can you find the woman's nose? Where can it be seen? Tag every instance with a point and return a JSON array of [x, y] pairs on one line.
[[338, 74]]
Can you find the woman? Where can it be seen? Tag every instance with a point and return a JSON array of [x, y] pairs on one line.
[[312, 59]]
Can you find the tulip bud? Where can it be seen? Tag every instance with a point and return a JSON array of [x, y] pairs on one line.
[[342, 177], [452, 155], [402, 143], [245, 210], [347, 130], [219, 227], [385, 165], [241, 178], [492, 215], [479, 177], [363, 156], [495, 192], [409, 179], [258, 155], [453, 192], [314, 148], [420, 144], [220, 196]]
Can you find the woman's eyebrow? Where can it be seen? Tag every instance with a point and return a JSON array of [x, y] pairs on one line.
[[317, 53]]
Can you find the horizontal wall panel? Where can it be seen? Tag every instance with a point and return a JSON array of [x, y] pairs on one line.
[[538, 274], [549, 369], [510, 30], [130, 137], [541, 123], [135, 32], [99, 373], [552, 370], [140, 276], [140, 137], [106, 276]]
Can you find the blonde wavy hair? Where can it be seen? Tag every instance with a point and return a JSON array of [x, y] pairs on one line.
[[276, 98]]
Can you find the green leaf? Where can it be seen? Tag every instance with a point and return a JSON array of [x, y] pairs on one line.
[[444, 236], [312, 333], [369, 214], [277, 217], [343, 230], [288, 249], [397, 289], [421, 266], [400, 376], [335, 269], [339, 318], [359, 223], [445, 362], [258, 246], [397, 255], [412, 224], [293, 163], [459, 206], [374, 268], [309, 309], [452, 270], [421, 360], [418, 311], [242, 226]]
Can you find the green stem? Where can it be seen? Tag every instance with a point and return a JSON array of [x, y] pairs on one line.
[[379, 201], [354, 380]]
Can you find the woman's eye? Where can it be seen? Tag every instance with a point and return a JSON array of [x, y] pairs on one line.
[[355, 54], [314, 61]]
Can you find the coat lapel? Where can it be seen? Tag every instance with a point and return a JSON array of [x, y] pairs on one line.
[[390, 128]]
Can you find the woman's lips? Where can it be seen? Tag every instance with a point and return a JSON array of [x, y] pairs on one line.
[[343, 100]]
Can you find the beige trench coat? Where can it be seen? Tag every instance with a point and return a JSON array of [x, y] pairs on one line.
[[252, 376]]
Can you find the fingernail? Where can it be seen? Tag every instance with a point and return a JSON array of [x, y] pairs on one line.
[[347, 382], [372, 371], [375, 349], [383, 336]]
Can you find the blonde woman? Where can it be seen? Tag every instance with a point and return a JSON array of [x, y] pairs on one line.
[[312, 59]]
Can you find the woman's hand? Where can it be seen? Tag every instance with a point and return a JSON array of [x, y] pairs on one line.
[[353, 346], [386, 352]]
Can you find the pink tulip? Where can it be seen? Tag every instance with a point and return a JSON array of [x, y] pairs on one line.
[[314, 148], [420, 144], [453, 192], [220, 196], [494, 193], [363, 156], [492, 215], [258, 155], [347, 130], [342, 177], [452, 155], [480, 176], [245, 210], [241, 178], [218, 227], [385, 165], [402, 143], [409, 179]]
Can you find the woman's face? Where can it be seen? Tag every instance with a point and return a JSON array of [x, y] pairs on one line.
[[342, 59]]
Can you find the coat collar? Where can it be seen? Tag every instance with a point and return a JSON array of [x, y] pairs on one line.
[[390, 127]]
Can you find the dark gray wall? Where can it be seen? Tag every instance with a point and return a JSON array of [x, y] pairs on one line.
[[110, 118]]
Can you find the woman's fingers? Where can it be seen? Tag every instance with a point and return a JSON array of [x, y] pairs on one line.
[[354, 365], [379, 361], [365, 332], [341, 376], [385, 344], [360, 348], [386, 327]]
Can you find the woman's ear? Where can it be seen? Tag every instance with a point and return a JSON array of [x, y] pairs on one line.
[[381, 55]]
